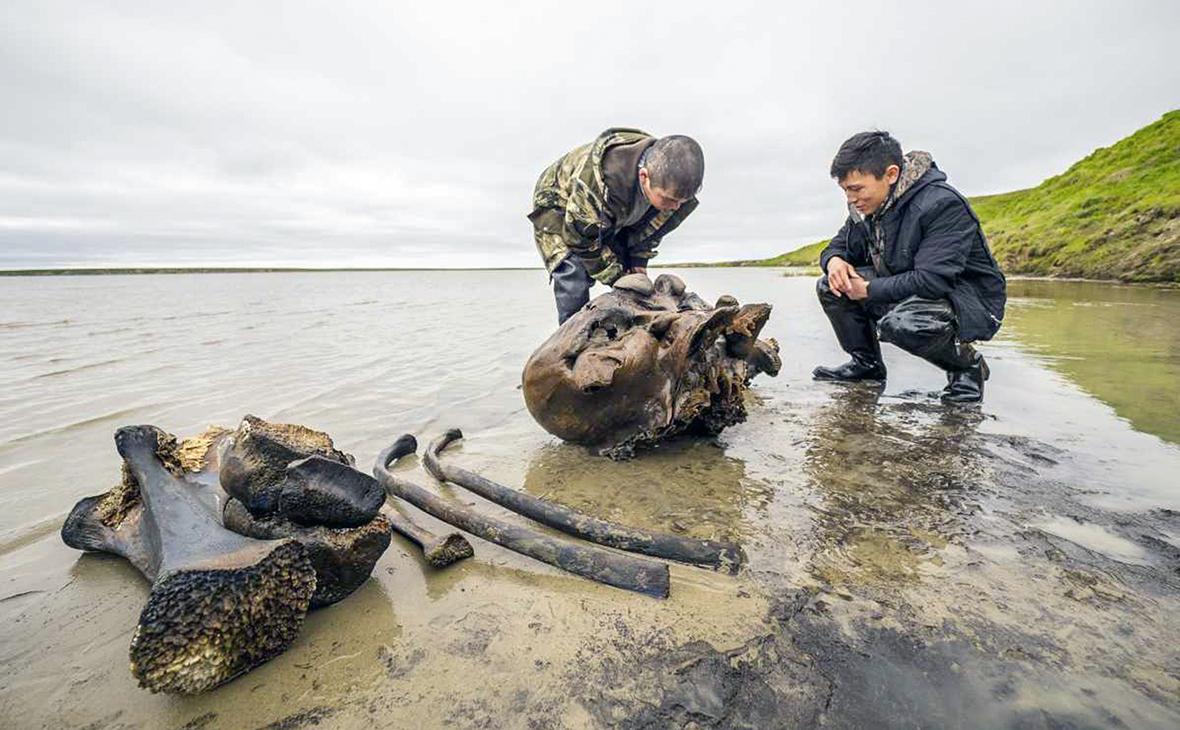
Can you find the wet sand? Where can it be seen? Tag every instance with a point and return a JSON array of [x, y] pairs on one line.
[[910, 564]]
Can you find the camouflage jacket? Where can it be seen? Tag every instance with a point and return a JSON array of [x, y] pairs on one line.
[[573, 212]]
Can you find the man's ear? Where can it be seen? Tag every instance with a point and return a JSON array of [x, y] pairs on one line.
[[892, 173], [643, 176]]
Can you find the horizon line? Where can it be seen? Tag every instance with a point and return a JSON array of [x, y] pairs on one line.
[[111, 270]]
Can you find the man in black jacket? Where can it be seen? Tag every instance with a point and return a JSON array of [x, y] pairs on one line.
[[911, 265]]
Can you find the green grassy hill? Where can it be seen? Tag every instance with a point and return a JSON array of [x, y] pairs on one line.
[[1113, 215]]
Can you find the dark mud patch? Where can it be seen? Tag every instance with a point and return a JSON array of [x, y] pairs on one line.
[[306, 718], [935, 601], [200, 722], [646, 682]]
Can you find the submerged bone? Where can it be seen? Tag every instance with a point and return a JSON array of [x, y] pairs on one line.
[[220, 603], [634, 367]]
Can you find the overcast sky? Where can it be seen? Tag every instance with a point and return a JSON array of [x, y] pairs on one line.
[[411, 133]]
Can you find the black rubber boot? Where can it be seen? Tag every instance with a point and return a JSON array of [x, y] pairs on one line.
[[571, 287], [966, 386], [928, 328], [857, 336], [966, 370], [860, 367]]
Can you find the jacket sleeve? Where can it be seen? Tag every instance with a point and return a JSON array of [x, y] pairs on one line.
[[948, 231], [838, 246]]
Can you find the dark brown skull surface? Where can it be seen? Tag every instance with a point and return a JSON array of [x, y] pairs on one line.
[[647, 361]]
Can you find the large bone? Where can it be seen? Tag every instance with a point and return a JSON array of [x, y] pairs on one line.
[[622, 571], [220, 603], [708, 553], [644, 362]]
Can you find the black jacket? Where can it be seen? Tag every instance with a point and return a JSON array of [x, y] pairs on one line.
[[935, 249]]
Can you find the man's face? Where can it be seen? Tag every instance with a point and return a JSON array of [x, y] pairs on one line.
[[866, 192], [660, 198]]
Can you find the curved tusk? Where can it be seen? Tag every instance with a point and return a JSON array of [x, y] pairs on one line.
[[589, 561], [714, 554]]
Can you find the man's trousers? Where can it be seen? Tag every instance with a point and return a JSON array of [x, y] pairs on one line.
[[927, 328]]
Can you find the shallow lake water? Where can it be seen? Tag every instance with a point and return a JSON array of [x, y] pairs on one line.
[[910, 564]]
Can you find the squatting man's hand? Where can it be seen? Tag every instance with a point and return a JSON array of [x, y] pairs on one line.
[[844, 281]]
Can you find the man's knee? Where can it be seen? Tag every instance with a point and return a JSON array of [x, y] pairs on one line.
[[915, 322], [827, 297], [821, 287]]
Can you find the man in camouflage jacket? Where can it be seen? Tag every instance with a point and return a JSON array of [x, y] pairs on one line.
[[600, 210]]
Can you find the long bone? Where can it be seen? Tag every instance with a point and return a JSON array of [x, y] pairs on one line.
[[707, 553], [622, 571], [220, 603]]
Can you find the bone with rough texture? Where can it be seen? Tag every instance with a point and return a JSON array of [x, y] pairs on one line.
[[643, 363], [343, 557], [616, 569], [708, 553], [220, 603]]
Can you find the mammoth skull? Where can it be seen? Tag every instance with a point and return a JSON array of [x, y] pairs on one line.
[[647, 361]]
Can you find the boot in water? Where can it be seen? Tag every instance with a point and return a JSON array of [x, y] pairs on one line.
[[860, 367], [966, 386]]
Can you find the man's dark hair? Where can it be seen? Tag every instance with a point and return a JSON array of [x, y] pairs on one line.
[[867, 152], [676, 164]]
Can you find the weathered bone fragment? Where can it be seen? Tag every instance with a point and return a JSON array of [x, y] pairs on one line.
[[599, 564], [645, 362], [343, 557], [257, 470], [439, 551], [317, 488], [220, 603], [318, 491], [708, 553]]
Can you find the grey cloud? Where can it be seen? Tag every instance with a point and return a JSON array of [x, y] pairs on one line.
[[372, 133]]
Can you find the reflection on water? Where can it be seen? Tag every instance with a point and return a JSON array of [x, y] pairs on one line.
[[892, 479], [1121, 344], [686, 486]]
